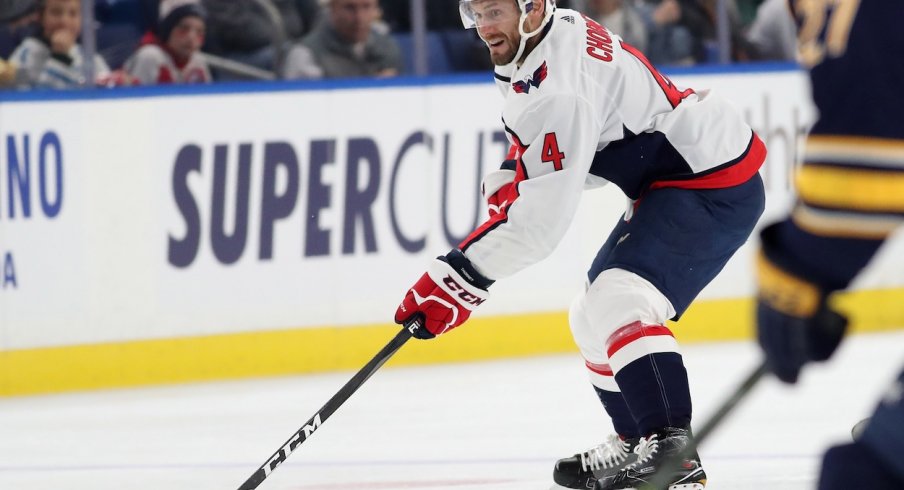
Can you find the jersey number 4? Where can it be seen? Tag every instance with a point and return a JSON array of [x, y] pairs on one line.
[[551, 153]]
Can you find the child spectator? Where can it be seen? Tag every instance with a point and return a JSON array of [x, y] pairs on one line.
[[173, 55], [54, 59]]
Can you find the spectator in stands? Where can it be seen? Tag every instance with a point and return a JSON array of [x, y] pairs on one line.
[[348, 43], [684, 31], [242, 31], [739, 48], [53, 58], [173, 55], [622, 18], [773, 35], [668, 41]]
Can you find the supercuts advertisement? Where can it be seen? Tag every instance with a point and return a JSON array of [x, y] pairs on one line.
[[204, 213]]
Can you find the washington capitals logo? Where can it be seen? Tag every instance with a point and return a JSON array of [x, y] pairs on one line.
[[523, 86]]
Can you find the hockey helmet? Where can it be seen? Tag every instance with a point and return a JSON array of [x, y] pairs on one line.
[[471, 18]]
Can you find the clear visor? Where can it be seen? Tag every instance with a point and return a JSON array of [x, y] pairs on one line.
[[482, 13]]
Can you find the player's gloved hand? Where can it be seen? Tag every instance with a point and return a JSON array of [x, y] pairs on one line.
[[444, 296], [795, 325], [499, 188]]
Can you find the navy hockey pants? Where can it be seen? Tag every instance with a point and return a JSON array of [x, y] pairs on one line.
[[680, 239]]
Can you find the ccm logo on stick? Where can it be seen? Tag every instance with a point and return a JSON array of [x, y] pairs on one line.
[[290, 446], [462, 292]]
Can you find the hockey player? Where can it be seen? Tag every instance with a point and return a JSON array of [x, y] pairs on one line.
[[173, 56], [583, 108], [850, 198]]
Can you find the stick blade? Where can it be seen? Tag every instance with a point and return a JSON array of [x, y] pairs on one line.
[[254, 480]]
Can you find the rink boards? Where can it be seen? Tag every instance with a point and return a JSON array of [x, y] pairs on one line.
[[152, 235]]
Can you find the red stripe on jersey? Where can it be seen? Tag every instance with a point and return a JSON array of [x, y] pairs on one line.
[[514, 152], [603, 369], [517, 150], [671, 92], [734, 174], [631, 332], [483, 229]]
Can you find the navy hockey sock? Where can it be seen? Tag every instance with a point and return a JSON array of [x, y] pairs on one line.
[[618, 411], [656, 391]]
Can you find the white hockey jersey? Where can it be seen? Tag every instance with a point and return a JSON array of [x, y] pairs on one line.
[[585, 109]]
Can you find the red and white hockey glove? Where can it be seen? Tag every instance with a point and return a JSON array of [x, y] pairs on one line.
[[499, 188], [444, 296]]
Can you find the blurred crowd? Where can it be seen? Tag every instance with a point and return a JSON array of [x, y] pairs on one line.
[[146, 42]]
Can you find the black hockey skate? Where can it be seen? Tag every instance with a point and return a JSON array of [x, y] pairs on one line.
[[652, 452], [602, 462]]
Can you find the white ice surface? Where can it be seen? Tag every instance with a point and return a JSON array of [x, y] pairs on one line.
[[481, 426]]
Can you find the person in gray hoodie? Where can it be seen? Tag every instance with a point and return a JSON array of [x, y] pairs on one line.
[[348, 43]]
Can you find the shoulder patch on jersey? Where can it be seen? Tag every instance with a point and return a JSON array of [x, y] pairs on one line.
[[523, 86]]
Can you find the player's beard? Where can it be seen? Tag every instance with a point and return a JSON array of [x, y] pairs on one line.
[[505, 53]]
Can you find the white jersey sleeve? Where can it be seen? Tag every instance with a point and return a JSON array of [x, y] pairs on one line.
[[558, 136]]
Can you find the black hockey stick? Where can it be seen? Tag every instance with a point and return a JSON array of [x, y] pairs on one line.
[[660, 480], [333, 404]]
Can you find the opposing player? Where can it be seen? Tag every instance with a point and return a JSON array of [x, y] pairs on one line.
[[851, 197], [583, 108]]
